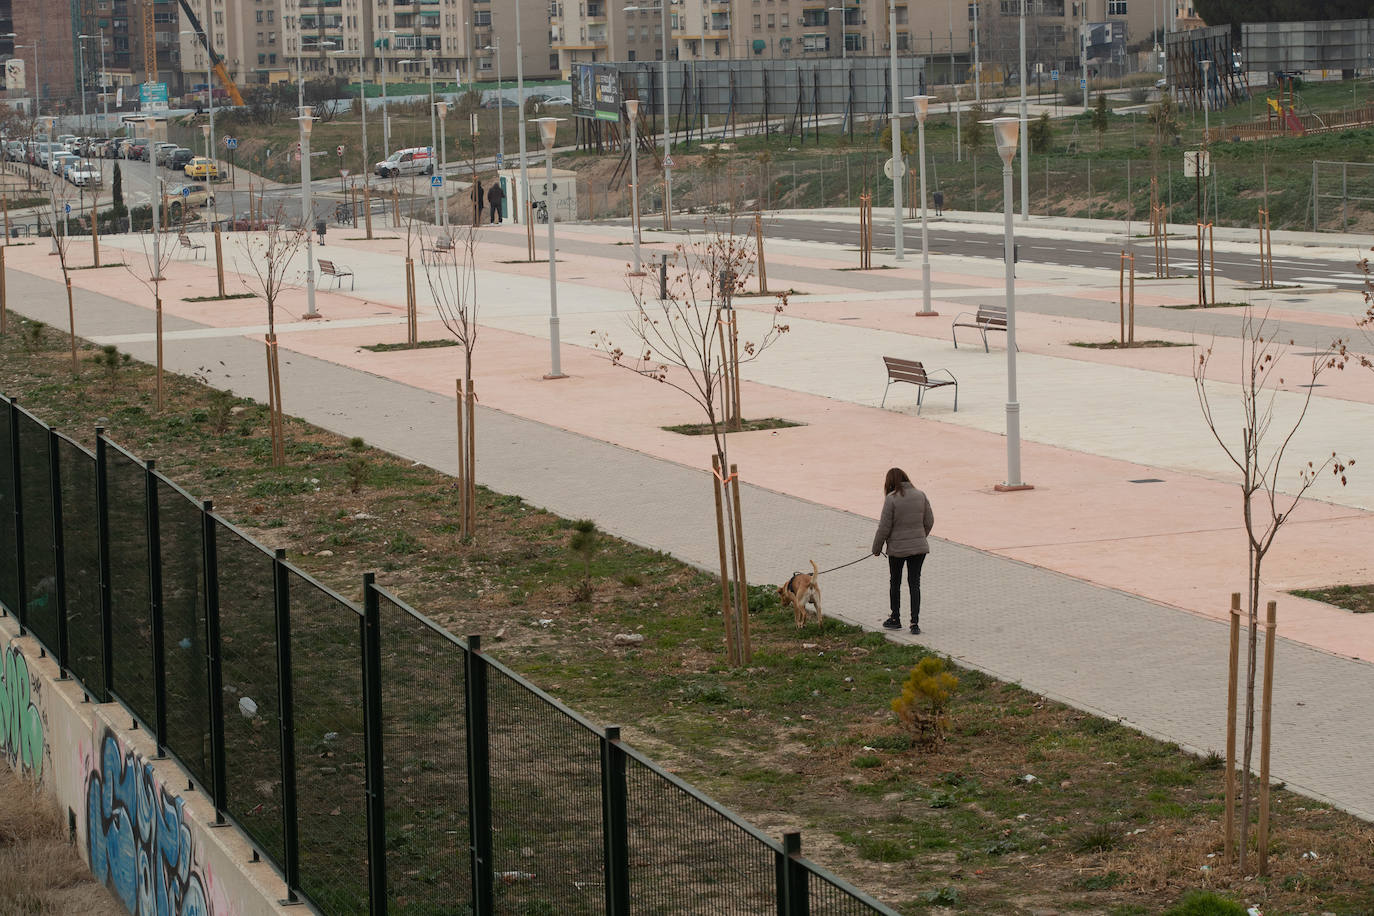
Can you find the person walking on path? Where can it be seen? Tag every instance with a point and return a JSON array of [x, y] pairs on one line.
[[495, 197], [939, 198], [906, 521], [477, 199]]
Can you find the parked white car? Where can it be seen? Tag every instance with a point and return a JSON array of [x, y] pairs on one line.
[[59, 161], [83, 173]]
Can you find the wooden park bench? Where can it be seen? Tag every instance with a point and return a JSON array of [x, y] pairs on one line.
[[913, 373], [988, 318], [193, 246], [330, 269], [442, 245]]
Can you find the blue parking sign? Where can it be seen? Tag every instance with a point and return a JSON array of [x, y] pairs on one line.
[[500, 160], [231, 142], [1082, 83], [1054, 75], [69, 208], [186, 191]]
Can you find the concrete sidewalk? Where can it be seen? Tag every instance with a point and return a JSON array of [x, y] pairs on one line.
[[1011, 589]]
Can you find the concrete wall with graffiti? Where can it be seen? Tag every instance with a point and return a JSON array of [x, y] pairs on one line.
[[144, 832]]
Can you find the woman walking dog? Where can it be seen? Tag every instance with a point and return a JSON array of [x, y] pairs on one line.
[[906, 521]]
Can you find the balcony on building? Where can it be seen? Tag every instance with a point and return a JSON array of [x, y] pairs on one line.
[[596, 14]]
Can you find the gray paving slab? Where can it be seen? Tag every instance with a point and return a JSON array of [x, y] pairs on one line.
[[1155, 668]]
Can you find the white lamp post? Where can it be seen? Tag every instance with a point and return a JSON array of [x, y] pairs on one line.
[[632, 110], [81, 75], [500, 105], [209, 99], [433, 135], [524, 205], [205, 132], [844, 36], [362, 104], [384, 45], [1025, 126], [1206, 103], [156, 129], [442, 109], [922, 103], [307, 122], [1005, 131], [897, 162], [548, 127], [667, 143]]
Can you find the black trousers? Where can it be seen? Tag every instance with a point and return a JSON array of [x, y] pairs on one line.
[[913, 580]]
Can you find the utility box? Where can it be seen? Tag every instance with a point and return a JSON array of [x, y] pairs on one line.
[[560, 200]]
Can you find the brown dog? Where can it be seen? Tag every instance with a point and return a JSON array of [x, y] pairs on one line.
[[800, 590]]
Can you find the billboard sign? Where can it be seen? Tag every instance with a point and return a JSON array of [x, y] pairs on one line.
[[152, 96], [596, 91], [1106, 42], [14, 74]]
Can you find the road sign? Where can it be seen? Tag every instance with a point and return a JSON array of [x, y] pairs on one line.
[[343, 172], [500, 160], [231, 142], [339, 149], [888, 169], [1082, 83], [186, 191], [69, 208], [436, 181], [668, 162], [1054, 75], [1196, 162]]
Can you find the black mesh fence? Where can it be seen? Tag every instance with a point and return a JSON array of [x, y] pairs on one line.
[[81, 564], [686, 857], [186, 677], [547, 847], [40, 557], [131, 628], [9, 550], [251, 698], [424, 734], [675, 851], [829, 896], [331, 773]]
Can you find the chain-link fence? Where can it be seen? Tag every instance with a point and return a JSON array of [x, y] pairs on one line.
[[379, 763]]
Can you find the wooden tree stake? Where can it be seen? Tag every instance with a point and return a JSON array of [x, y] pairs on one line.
[[1233, 675], [95, 234], [462, 463], [4, 299], [470, 497], [731, 646], [1266, 708], [367, 208], [742, 639], [71, 323], [412, 319], [158, 312], [219, 262], [758, 242]]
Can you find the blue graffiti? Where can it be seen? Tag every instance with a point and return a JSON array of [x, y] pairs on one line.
[[139, 842]]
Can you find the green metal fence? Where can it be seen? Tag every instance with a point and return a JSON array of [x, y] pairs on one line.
[[380, 764]]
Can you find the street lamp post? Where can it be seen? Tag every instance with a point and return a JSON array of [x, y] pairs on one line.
[[433, 130], [524, 207], [500, 105], [442, 108], [547, 128], [667, 144], [155, 128], [205, 132], [307, 211], [362, 105], [1025, 126], [632, 111], [922, 103], [1005, 131], [897, 162], [384, 45], [81, 76]]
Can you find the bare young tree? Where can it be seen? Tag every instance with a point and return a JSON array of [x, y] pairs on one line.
[[59, 196], [270, 254], [685, 341], [157, 247], [452, 277], [1270, 488]]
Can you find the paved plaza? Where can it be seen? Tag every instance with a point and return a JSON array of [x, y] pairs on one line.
[[1106, 586]]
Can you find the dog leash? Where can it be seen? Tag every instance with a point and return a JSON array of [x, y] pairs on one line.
[[843, 565]]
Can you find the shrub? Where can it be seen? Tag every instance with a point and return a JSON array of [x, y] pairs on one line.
[[1205, 903], [584, 543], [924, 704], [1041, 133]]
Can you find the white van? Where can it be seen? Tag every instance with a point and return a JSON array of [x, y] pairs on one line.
[[417, 160]]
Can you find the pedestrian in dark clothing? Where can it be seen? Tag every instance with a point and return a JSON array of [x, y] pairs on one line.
[[495, 197], [319, 230], [477, 199], [906, 521], [939, 203]]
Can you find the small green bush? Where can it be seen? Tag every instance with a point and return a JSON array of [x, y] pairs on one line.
[[924, 704], [1205, 903]]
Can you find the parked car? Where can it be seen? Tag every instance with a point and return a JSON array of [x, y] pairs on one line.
[[14, 150], [83, 173], [133, 147], [202, 168], [179, 157], [191, 195], [59, 160], [500, 102], [558, 101], [417, 160], [162, 151]]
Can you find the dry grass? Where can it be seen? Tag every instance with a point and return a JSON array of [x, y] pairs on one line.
[[41, 872]]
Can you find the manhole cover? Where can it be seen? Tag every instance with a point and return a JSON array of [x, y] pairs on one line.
[[1312, 353], [1314, 385], [849, 319], [1147, 480]]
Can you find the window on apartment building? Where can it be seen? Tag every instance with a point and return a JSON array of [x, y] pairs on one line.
[[772, 21], [259, 16], [903, 41], [271, 15], [259, 38], [784, 20], [272, 59], [262, 59], [1116, 7], [271, 38], [644, 33], [901, 15], [219, 18], [758, 20], [631, 53], [973, 12]]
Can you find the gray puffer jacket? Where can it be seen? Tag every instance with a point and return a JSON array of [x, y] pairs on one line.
[[907, 519]]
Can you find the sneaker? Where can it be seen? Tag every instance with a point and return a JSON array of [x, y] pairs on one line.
[[893, 623], [915, 629]]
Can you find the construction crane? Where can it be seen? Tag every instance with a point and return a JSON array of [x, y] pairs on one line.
[[149, 42], [217, 62]]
